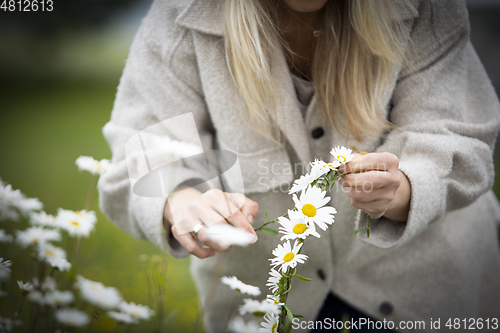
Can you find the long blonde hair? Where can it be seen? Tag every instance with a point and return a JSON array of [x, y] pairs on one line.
[[357, 48]]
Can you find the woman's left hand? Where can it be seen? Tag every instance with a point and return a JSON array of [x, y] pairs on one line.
[[376, 185]]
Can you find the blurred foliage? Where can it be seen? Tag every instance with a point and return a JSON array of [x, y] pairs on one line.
[[43, 130]]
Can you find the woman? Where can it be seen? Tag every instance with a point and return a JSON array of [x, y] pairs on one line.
[[280, 83]]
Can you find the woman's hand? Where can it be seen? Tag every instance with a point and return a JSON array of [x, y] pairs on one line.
[[376, 186], [188, 207]]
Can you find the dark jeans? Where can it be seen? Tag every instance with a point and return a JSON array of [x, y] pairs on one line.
[[336, 309]]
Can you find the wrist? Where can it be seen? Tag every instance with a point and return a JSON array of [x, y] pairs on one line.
[[176, 200]]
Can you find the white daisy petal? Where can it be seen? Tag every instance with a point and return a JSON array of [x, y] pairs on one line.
[[273, 280], [72, 317], [259, 308], [296, 226], [238, 325], [269, 324], [121, 317], [95, 167], [311, 204], [76, 223], [137, 311], [36, 235], [286, 257], [97, 294], [236, 284], [342, 154], [226, 235]]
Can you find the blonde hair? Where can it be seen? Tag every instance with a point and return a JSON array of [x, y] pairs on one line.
[[358, 46]]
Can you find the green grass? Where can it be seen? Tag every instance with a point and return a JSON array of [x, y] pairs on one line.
[[44, 128]]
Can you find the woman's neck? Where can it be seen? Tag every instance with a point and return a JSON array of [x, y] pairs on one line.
[[298, 31]]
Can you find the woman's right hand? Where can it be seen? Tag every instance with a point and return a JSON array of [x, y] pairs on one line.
[[187, 207]]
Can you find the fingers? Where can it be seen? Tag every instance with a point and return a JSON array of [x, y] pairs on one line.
[[370, 180], [369, 162], [232, 214], [213, 207], [190, 244], [249, 209]]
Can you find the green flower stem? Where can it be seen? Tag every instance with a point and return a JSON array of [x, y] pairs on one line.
[[77, 250], [21, 306], [283, 297], [90, 193], [368, 218], [231, 309]]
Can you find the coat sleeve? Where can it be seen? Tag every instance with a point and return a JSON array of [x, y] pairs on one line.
[[447, 118], [160, 81]]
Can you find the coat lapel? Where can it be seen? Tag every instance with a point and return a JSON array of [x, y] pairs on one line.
[[207, 16]]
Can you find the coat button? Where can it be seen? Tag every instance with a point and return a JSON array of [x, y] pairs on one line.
[[386, 308], [317, 132], [321, 274]]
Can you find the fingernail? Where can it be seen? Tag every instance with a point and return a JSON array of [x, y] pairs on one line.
[[250, 218], [255, 239]]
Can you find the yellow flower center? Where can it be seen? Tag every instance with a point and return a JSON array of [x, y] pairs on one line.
[[309, 210], [75, 223], [274, 328], [49, 253], [341, 158], [135, 314], [288, 257], [299, 228]]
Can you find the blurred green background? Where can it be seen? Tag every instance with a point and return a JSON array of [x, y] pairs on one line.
[[58, 77]]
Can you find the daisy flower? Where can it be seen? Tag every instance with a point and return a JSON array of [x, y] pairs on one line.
[[58, 298], [72, 317], [43, 219], [321, 167], [269, 324], [238, 325], [342, 154], [226, 235], [60, 263], [137, 311], [50, 253], [5, 237], [286, 256], [76, 223], [95, 167], [259, 308], [8, 324], [37, 235], [274, 299], [5, 269], [236, 284], [302, 183], [121, 317], [49, 284], [97, 294], [296, 226], [25, 287], [273, 280], [311, 204], [13, 202], [36, 296]]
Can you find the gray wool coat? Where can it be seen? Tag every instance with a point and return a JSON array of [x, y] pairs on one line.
[[443, 262]]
